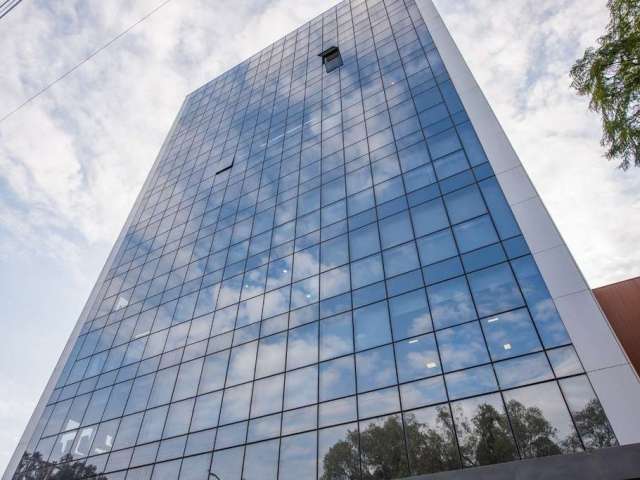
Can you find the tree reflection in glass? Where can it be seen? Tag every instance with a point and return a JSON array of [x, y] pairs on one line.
[[540, 421], [431, 440], [483, 431], [338, 452], [587, 413], [35, 466], [382, 450]]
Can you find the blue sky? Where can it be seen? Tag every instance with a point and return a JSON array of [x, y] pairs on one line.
[[72, 162]]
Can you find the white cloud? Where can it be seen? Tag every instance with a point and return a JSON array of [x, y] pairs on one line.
[[72, 161], [521, 52]]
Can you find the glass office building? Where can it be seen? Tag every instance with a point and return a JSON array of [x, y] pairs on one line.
[[321, 279]]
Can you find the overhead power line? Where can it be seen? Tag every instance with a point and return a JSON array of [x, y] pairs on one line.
[[83, 61], [7, 6]]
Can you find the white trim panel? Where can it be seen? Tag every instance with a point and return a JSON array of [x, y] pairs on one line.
[[618, 389], [615, 382]]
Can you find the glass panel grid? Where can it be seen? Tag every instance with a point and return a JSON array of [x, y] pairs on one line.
[[322, 263]]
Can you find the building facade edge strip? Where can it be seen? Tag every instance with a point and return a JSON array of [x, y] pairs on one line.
[[15, 458], [566, 284]]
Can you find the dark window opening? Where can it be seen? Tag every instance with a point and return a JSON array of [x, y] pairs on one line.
[[223, 167], [331, 58]]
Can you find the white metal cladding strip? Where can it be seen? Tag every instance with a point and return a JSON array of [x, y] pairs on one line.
[[615, 382], [64, 356]]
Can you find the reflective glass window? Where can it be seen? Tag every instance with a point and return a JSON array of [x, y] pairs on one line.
[[588, 414], [462, 346], [371, 326], [510, 334], [417, 357], [482, 421], [451, 303], [431, 440], [410, 314], [541, 422], [375, 368]]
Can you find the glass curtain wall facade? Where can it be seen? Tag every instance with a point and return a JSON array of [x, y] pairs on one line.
[[322, 280]]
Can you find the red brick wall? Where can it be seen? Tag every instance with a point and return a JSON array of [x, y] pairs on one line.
[[621, 303]]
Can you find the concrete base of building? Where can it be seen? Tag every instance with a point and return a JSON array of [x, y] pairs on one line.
[[616, 463]]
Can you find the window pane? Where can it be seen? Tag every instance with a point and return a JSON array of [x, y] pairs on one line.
[[261, 461], [451, 303], [436, 247], [378, 402], [464, 204], [231, 435], [431, 440], [298, 457], [235, 404], [366, 271], [495, 290], [337, 378], [178, 418], [429, 217], [304, 292], [417, 358], [334, 252], [423, 392], [242, 363], [395, 230], [264, 427], [301, 387], [152, 424], [363, 242], [187, 381], [227, 464], [163, 386], [103, 441], [195, 468], [336, 336], [540, 420], [400, 259], [127, 432], [483, 431], [271, 355], [214, 371], [541, 306], [371, 324], [462, 346], [588, 414], [382, 446], [472, 381], [410, 314], [510, 334], [375, 368], [334, 282], [338, 453], [302, 348], [299, 420], [267, 396], [206, 411], [166, 470], [279, 273], [564, 361], [523, 370], [475, 233]]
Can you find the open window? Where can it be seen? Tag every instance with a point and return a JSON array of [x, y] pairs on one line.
[[331, 58]]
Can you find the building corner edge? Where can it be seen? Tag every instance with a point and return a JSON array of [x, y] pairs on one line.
[[606, 364]]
